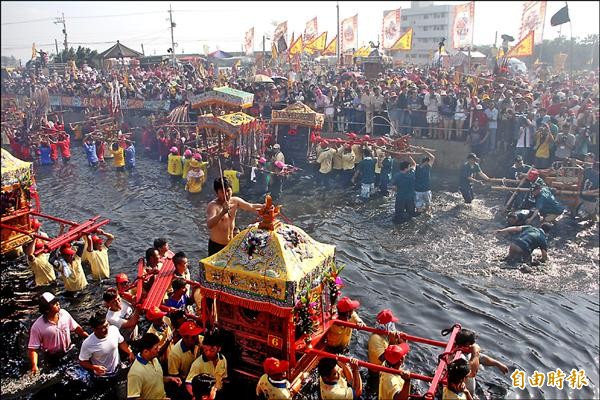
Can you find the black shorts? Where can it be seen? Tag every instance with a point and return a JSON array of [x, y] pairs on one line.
[[523, 246], [214, 247]]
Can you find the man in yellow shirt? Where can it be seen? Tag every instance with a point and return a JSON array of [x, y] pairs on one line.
[[70, 267], [43, 271], [145, 379], [325, 159], [333, 381], [185, 351], [97, 254], [392, 386], [338, 336], [118, 156], [160, 326], [378, 343], [211, 362]]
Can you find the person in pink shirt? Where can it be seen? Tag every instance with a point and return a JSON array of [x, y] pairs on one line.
[[51, 332]]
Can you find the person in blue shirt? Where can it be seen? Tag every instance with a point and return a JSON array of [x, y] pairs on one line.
[[546, 205], [405, 191], [386, 174], [530, 238], [366, 170], [178, 298], [519, 169], [468, 172], [89, 146], [45, 151], [130, 155], [423, 183]]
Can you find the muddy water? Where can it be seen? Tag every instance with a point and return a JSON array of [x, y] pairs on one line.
[[432, 272]]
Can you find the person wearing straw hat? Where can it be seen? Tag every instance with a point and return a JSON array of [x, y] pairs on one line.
[[195, 175]]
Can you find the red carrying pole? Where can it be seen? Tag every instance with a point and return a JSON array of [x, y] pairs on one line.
[[403, 335], [439, 371], [372, 367]]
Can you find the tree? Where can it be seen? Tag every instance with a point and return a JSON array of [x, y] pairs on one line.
[[83, 55], [9, 61]]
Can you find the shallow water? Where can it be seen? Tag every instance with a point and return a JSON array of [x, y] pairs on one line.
[[432, 272]]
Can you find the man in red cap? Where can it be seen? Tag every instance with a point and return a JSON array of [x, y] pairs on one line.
[[160, 326], [43, 271], [124, 287], [185, 351], [392, 386], [378, 343], [338, 336], [96, 251], [273, 385], [71, 270]]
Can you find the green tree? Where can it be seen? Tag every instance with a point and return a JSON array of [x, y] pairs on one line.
[[83, 55]]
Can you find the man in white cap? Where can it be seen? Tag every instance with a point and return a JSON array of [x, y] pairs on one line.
[[51, 332], [278, 154]]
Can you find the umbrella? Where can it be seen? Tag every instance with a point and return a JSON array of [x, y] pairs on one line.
[[262, 79], [280, 78]]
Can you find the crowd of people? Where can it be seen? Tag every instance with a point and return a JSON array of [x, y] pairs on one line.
[[536, 122]]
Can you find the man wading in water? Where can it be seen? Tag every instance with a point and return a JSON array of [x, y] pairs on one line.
[[220, 215]]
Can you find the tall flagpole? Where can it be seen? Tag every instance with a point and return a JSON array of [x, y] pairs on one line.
[[570, 47], [337, 44]]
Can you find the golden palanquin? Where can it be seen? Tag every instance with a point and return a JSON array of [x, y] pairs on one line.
[[297, 114], [267, 269], [231, 124], [223, 96], [17, 179], [256, 284]]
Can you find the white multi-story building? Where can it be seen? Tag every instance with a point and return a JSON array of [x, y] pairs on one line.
[[431, 23]]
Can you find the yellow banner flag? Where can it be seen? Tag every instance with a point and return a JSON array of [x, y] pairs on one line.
[[296, 46], [331, 48], [405, 41], [274, 54], [362, 52], [319, 43], [524, 48], [33, 51]]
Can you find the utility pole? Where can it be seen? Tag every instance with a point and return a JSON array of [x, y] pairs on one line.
[[172, 38], [143, 53], [337, 45], [64, 31], [263, 56], [57, 53]]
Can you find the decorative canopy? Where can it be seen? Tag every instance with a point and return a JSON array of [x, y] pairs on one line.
[[267, 269], [120, 51], [297, 114], [223, 96], [232, 124], [14, 170]]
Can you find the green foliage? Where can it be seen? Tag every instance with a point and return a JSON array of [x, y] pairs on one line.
[[9, 61], [83, 55]]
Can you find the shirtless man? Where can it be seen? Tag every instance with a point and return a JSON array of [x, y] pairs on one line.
[[220, 215]]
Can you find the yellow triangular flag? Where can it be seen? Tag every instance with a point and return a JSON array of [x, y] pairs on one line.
[[331, 48], [274, 54], [524, 48], [296, 47], [319, 43], [404, 42]]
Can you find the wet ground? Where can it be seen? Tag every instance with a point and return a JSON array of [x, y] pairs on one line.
[[432, 272]]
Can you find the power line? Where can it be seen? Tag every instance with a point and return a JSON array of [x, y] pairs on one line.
[[27, 22]]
